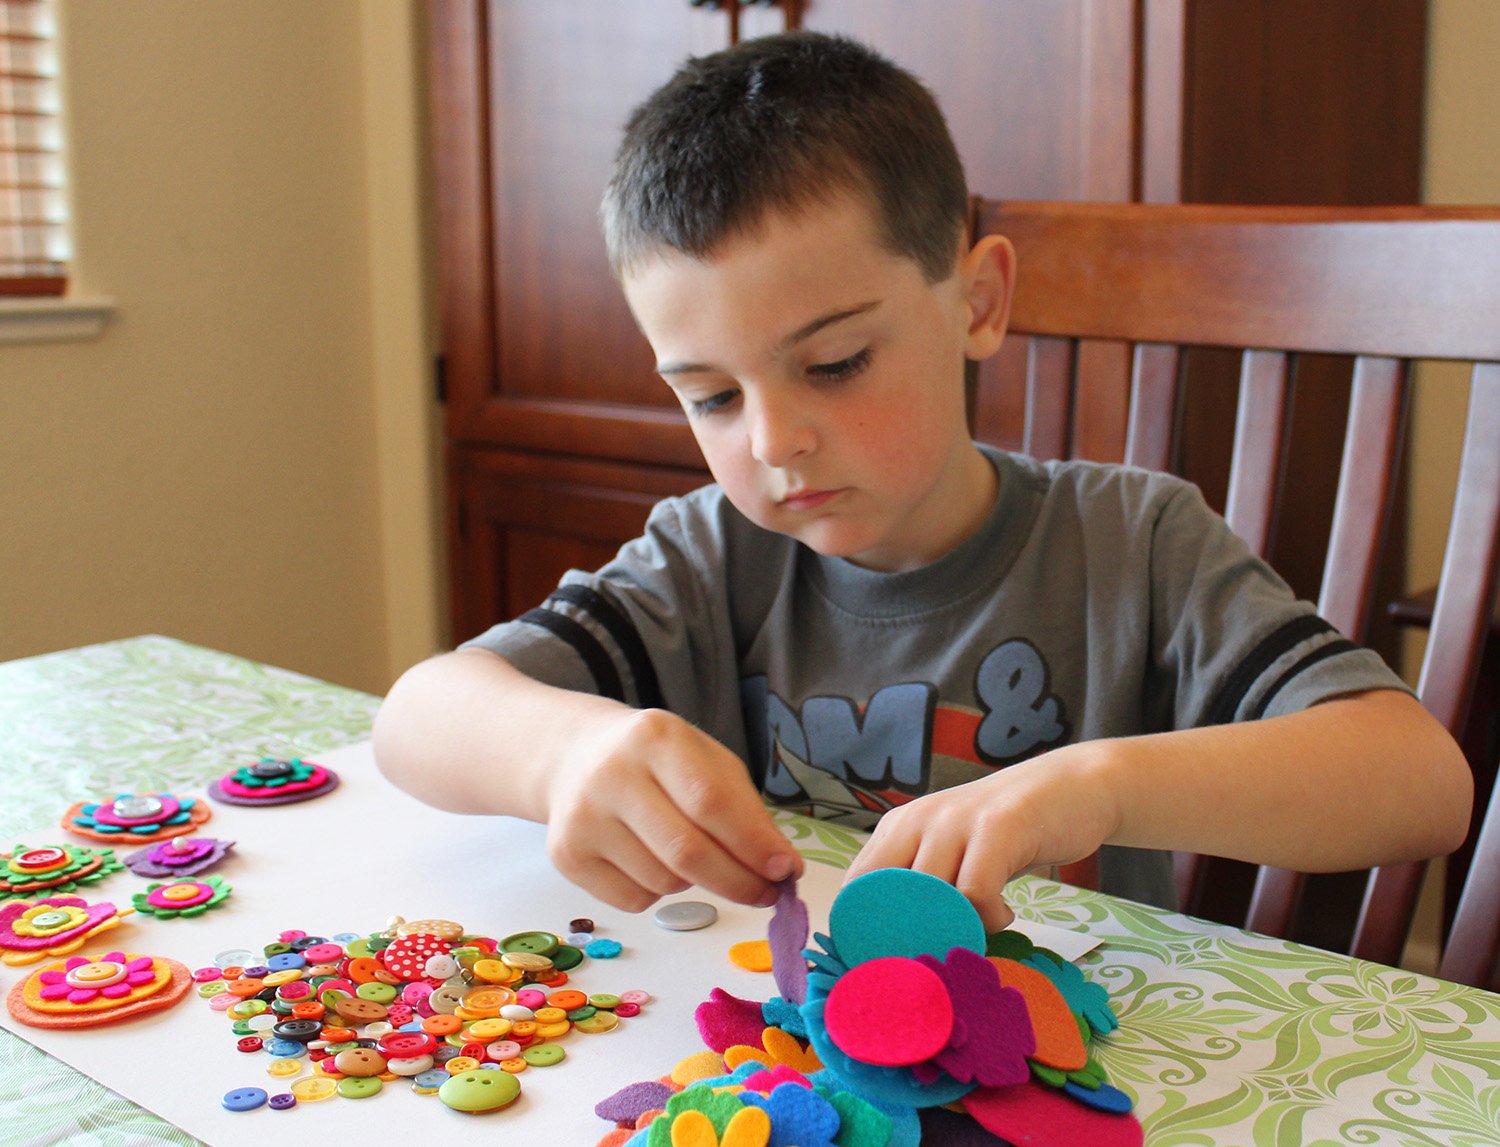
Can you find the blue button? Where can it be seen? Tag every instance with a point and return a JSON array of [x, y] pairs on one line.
[[247, 1098], [286, 960], [433, 1077], [285, 1048]]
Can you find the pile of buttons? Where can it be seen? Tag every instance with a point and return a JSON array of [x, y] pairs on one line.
[[456, 1015]]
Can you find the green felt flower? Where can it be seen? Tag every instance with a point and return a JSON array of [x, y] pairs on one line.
[[26, 870], [269, 773], [718, 1106], [169, 899]]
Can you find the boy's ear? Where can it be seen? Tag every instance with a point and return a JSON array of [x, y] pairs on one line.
[[989, 278]]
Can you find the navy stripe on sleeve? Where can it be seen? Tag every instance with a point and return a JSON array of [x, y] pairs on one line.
[[1239, 683], [585, 644], [1332, 649], [597, 606]]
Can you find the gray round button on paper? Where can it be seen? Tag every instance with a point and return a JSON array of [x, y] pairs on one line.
[[686, 915]]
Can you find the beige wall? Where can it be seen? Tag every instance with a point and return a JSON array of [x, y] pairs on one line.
[[1461, 166], [240, 460]]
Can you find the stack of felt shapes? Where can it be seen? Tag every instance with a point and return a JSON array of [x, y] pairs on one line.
[[910, 1027]]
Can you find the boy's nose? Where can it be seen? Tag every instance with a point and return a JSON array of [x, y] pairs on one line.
[[779, 432]]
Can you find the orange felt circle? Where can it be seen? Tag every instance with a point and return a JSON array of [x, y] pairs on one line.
[[171, 983], [1059, 1043], [197, 815], [752, 955], [890, 1011]]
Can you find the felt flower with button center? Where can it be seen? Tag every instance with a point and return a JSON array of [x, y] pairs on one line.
[[271, 782], [136, 817], [179, 856], [169, 900], [25, 871], [33, 930], [88, 991]]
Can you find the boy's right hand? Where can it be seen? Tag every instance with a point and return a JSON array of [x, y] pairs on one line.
[[646, 804]]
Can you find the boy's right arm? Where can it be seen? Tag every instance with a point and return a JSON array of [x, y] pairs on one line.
[[638, 803]]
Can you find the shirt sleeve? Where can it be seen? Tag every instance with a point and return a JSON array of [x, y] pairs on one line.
[[649, 628], [1238, 642]]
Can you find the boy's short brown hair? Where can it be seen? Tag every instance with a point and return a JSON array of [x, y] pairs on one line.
[[777, 123]]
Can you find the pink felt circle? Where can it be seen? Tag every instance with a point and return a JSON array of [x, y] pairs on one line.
[[159, 899], [890, 1011]]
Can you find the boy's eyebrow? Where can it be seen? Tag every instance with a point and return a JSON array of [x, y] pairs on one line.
[[802, 332]]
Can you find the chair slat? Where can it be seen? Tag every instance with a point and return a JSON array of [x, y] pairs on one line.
[[1367, 484], [1049, 398], [1274, 903], [1469, 956], [1155, 399], [1460, 619], [1259, 447]]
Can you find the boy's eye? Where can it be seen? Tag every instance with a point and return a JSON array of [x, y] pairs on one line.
[[713, 402], [844, 368]]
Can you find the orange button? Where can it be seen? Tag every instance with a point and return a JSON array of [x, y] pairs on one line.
[[308, 1010], [336, 1034], [245, 987], [441, 1024], [364, 969], [523, 1029], [568, 1000]]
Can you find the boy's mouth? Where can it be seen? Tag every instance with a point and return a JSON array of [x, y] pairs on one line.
[[808, 499]]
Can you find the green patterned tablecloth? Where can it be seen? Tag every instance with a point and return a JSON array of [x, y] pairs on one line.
[[1225, 1038]]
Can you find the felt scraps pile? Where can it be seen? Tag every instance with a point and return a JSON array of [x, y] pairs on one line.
[[912, 1027]]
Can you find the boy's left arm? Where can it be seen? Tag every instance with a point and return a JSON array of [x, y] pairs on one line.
[[1360, 780]]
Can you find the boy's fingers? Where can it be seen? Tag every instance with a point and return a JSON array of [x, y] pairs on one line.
[[723, 803], [686, 850]]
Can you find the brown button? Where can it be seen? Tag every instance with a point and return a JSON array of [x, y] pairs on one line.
[[360, 1011], [359, 1061]]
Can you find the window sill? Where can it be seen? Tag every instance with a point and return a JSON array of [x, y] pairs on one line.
[[25, 320]]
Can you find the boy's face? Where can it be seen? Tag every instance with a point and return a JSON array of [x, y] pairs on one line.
[[823, 379]]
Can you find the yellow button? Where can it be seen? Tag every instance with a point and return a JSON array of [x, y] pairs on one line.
[[598, 1023], [282, 976], [314, 1088], [282, 1067], [490, 1029], [514, 1066], [491, 971], [460, 1064], [553, 1031], [549, 1015], [101, 971], [181, 892]]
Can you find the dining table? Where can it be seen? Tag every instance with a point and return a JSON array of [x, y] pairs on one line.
[[1225, 1037]]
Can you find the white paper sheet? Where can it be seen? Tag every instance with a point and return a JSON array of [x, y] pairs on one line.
[[348, 861]]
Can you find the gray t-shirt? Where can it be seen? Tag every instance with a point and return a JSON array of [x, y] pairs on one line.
[[1094, 601]]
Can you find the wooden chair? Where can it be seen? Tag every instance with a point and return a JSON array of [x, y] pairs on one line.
[[1387, 285]]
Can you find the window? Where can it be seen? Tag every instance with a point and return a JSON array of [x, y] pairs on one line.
[[33, 211]]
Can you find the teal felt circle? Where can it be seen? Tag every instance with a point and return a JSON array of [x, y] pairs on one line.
[[897, 912]]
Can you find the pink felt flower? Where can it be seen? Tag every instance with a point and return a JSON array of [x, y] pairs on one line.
[[769, 1079], [53, 926], [111, 976]]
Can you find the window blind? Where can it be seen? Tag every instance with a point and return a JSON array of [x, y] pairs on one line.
[[33, 205]]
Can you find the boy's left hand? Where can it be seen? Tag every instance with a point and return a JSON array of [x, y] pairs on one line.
[[1050, 810]]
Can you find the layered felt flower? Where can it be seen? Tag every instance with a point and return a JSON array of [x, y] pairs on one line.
[[271, 782], [112, 977], [136, 816], [169, 899], [33, 930], [88, 991], [27, 870], [179, 856]]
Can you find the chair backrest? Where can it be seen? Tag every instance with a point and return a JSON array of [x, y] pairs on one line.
[[1387, 285]]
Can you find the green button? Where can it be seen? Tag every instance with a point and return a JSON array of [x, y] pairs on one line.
[[582, 1013], [538, 943], [359, 948], [247, 1008], [604, 1000], [213, 988], [242, 1027], [335, 1048], [331, 996], [359, 1086], [480, 1090], [276, 949], [281, 1007], [567, 957], [544, 1054], [375, 990]]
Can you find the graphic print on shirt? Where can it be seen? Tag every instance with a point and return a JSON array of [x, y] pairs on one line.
[[837, 762]]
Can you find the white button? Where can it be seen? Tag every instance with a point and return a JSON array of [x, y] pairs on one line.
[[686, 915]]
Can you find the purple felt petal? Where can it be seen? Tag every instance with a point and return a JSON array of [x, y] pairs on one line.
[[630, 1103], [725, 1021], [990, 1046], [787, 934]]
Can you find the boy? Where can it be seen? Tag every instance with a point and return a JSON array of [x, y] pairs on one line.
[[1001, 665]]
